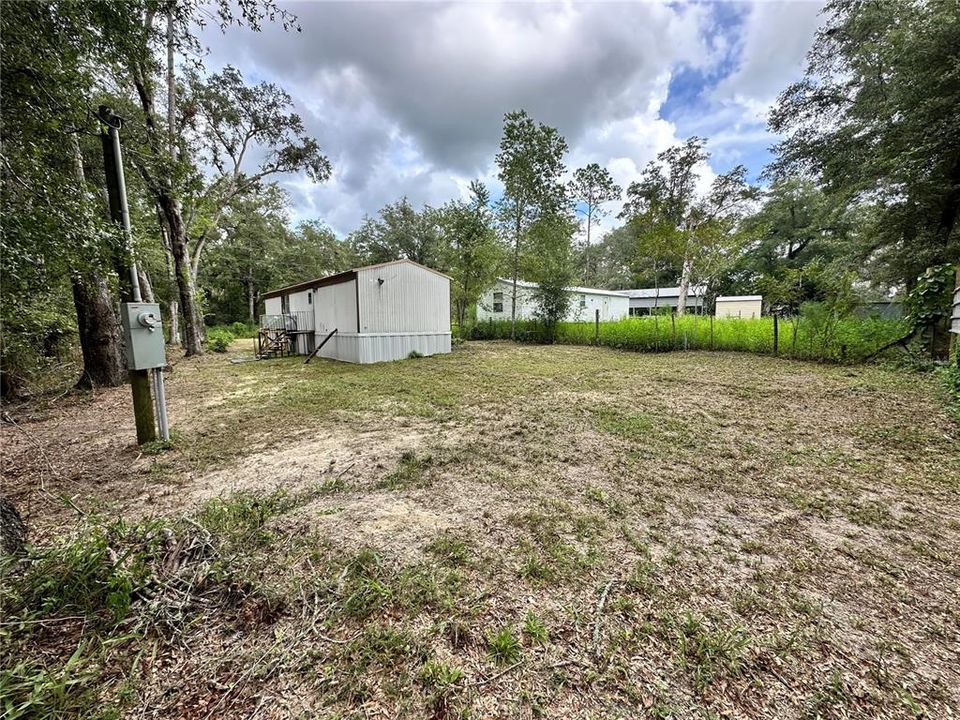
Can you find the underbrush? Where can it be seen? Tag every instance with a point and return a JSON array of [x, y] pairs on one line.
[[805, 337], [76, 611]]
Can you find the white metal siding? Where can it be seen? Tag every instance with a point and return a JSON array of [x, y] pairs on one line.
[[335, 306], [409, 311], [410, 299], [955, 315], [583, 305], [738, 308], [383, 347], [271, 306], [525, 303]]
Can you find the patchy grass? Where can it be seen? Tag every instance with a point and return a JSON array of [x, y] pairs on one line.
[[506, 531]]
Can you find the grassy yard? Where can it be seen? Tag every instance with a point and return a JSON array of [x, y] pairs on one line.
[[506, 531]]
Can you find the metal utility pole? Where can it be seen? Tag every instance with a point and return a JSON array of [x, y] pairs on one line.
[[141, 321]]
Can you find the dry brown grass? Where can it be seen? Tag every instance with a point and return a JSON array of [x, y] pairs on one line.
[[697, 534]]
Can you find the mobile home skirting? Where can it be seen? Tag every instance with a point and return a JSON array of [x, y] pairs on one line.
[[367, 348]]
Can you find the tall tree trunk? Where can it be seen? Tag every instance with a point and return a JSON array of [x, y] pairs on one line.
[[172, 302], [146, 287], [251, 301], [192, 335], [171, 88], [684, 286], [101, 339], [174, 306], [516, 272]]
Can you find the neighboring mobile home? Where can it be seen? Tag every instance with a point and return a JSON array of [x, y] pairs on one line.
[[648, 301], [496, 303], [380, 312], [739, 306]]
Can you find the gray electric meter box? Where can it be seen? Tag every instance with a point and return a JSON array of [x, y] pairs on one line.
[[143, 332]]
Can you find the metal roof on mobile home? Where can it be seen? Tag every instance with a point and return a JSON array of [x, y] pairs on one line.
[[342, 277], [572, 288]]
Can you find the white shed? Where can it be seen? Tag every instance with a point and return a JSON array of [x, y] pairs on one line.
[[380, 312], [496, 303], [739, 306]]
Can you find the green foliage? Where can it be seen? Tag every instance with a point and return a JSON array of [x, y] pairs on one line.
[[31, 690], [930, 299], [535, 629], [450, 550], [241, 518], [435, 675], [503, 646], [219, 340], [950, 375], [243, 330], [409, 472], [548, 261], [592, 186], [876, 117], [94, 572], [400, 231], [819, 336], [709, 653], [474, 254], [678, 229]]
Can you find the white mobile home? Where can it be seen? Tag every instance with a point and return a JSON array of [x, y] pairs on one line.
[[739, 306], [649, 301], [379, 312], [496, 303]]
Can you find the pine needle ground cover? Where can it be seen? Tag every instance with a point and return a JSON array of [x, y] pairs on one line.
[[506, 531]]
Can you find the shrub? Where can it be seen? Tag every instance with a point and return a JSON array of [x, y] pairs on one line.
[[243, 330], [815, 334], [219, 340]]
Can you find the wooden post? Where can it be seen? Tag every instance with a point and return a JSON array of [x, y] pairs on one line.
[[776, 335], [596, 328], [139, 379]]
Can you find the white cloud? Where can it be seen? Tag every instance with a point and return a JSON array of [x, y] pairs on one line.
[[408, 99], [775, 39]]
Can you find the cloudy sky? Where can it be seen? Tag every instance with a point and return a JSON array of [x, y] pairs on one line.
[[408, 98]]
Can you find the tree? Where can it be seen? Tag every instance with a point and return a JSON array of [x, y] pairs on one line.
[[241, 253], [221, 121], [666, 199], [319, 250], [549, 263], [58, 247], [530, 164], [474, 253], [398, 232], [231, 120], [592, 186], [875, 119], [796, 239]]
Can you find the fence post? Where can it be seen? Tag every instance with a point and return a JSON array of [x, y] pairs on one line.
[[776, 335], [596, 330]]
